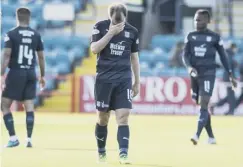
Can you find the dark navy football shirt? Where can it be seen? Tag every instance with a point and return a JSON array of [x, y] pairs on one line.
[[114, 61], [24, 43], [200, 50]]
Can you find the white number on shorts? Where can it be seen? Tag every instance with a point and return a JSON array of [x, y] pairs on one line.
[[207, 86], [129, 95], [24, 51]]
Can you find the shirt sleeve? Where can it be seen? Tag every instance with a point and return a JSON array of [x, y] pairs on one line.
[[40, 46], [222, 54], [135, 44], [186, 52], [96, 33], [7, 41]]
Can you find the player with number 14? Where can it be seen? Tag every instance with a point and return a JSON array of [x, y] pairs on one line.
[[19, 55]]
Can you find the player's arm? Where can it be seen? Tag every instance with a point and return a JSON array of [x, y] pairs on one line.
[[99, 42], [6, 54], [135, 65], [224, 60], [223, 56], [41, 60], [5, 59], [186, 55]]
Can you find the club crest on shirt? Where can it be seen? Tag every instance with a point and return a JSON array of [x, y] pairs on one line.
[[137, 41], [6, 38], [95, 31], [127, 34], [209, 39]]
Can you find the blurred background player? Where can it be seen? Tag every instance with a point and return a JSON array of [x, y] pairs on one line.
[[116, 43], [230, 97], [239, 100], [19, 55], [199, 57]]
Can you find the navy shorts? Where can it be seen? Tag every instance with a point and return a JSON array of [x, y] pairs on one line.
[[202, 86], [112, 96], [20, 84]]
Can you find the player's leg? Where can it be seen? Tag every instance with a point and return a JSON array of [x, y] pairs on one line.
[[240, 99], [123, 133], [122, 102], [231, 101], [229, 98], [208, 127], [29, 96], [102, 100], [206, 85], [101, 133], [30, 119], [13, 90], [194, 90], [9, 121]]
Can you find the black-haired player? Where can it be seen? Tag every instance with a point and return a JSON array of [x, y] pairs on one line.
[[199, 57], [21, 45], [116, 43]]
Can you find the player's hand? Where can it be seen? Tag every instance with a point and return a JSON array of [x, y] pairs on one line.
[[116, 29], [192, 71], [135, 89], [2, 83], [233, 81], [42, 83]]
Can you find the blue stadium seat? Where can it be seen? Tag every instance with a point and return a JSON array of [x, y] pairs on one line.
[[77, 5], [8, 10], [147, 56], [62, 42], [48, 42], [63, 62], [166, 42], [161, 58], [219, 73], [76, 53], [79, 41], [8, 22], [167, 72], [146, 72], [13, 1], [50, 58], [56, 24], [36, 10], [182, 72]]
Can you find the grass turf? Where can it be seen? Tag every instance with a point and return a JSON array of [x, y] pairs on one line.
[[63, 140]]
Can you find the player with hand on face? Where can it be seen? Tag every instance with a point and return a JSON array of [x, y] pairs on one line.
[[21, 45], [199, 57], [116, 44]]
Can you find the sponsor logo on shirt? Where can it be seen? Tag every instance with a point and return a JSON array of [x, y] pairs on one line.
[[117, 49], [200, 50]]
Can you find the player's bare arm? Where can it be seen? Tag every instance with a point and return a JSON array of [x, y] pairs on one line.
[[136, 72], [223, 59], [186, 59], [41, 59], [97, 47], [5, 59]]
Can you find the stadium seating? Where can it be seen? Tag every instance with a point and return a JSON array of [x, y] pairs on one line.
[[63, 52]]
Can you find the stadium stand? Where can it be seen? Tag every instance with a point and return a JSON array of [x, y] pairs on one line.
[[65, 53]]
